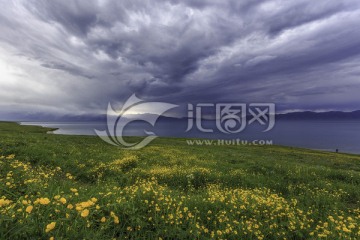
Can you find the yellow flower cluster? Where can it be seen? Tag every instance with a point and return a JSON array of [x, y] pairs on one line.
[[42, 201], [4, 202], [212, 212], [50, 227]]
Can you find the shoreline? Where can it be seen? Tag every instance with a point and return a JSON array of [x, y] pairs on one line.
[[52, 131]]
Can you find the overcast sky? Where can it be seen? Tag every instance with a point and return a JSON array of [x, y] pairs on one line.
[[73, 57]]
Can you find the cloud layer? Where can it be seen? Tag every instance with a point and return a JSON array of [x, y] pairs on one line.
[[73, 57]]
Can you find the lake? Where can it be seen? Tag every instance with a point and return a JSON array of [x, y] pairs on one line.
[[313, 134]]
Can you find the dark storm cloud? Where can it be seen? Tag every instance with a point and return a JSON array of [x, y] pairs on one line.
[[80, 55], [70, 69]]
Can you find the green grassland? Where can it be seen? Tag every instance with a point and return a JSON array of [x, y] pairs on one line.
[[79, 187]]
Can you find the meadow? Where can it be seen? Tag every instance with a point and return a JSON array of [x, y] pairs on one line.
[[78, 187]]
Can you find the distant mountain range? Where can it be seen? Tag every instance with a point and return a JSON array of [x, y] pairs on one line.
[[306, 115]]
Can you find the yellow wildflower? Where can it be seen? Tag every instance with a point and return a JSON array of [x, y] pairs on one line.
[[4, 202], [116, 218], [29, 209], [50, 227], [85, 213], [11, 156], [43, 201]]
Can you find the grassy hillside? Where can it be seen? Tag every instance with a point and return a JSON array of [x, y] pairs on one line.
[[78, 187]]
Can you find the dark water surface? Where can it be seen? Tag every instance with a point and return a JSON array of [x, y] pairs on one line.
[[314, 134]]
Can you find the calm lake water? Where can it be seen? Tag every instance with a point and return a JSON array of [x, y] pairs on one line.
[[314, 134]]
